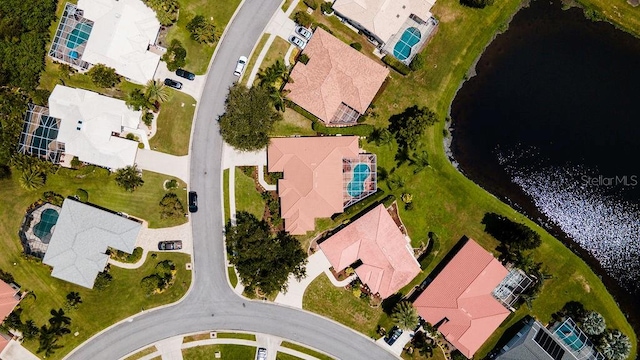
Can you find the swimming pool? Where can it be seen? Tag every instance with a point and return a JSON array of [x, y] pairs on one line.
[[79, 35], [569, 336], [44, 135], [48, 220], [360, 174], [409, 38]]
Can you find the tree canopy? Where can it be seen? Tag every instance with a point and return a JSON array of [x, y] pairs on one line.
[[409, 126], [176, 55], [103, 76], [514, 235], [249, 117], [202, 30], [263, 260], [129, 178], [405, 316]]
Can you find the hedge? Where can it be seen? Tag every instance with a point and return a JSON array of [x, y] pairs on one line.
[[396, 64], [353, 210], [357, 130], [290, 104]]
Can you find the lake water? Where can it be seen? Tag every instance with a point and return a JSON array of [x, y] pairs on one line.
[[551, 124]]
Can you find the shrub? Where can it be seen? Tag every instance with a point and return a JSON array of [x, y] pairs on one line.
[[396, 64], [171, 184], [147, 118], [171, 206], [302, 18], [103, 76], [357, 130], [53, 198], [140, 145], [324, 27], [82, 195], [303, 58], [366, 203], [326, 7], [417, 63], [102, 280], [311, 3], [176, 55], [40, 97], [76, 163], [6, 277], [356, 45], [5, 172]]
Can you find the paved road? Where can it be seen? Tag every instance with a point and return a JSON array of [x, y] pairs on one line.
[[211, 304]]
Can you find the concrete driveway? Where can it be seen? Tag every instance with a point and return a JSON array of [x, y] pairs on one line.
[[177, 166], [191, 87], [317, 265]]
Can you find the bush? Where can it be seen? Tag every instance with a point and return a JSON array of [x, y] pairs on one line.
[[357, 130], [417, 63], [171, 206], [83, 195], [6, 277], [368, 202], [396, 64], [324, 27], [5, 172], [303, 58], [102, 280], [103, 76], [40, 97], [311, 3], [356, 45], [326, 7], [302, 18], [53, 198], [76, 163], [171, 184], [122, 256], [147, 118]]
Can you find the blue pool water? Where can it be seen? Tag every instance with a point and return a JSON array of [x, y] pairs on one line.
[[409, 38], [48, 220], [360, 174], [79, 35], [568, 335]]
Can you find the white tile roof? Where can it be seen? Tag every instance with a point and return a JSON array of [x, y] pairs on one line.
[[121, 35], [99, 116], [80, 239], [383, 17]]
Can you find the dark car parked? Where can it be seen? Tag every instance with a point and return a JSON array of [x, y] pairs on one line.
[[185, 74], [172, 83], [193, 201], [393, 335], [170, 245]]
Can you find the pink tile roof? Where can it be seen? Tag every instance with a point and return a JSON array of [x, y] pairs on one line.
[[312, 183], [461, 293], [336, 73], [7, 300], [387, 259], [3, 342]]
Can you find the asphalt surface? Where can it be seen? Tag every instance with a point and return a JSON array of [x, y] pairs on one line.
[[211, 304]]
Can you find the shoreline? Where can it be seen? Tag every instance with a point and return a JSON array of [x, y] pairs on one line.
[[622, 297]]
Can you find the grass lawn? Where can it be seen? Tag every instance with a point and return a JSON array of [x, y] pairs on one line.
[[247, 197], [283, 356], [199, 55], [99, 309], [227, 351], [617, 12], [448, 203], [174, 124], [304, 350], [225, 191], [140, 354], [242, 336], [196, 337], [254, 58], [277, 51], [293, 124], [233, 277], [286, 4]]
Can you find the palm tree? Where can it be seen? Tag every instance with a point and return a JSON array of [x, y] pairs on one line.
[[156, 92], [30, 330], [274, 72], [32, 178], [593, 323], [59, 319], [129, 178], [395, 182], [615, 345], [405, 315], [420, 161], [73, 299], [47, 341]]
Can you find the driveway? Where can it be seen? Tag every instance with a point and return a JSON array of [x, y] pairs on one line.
[[191, 87], [317, 265], [156, 161]]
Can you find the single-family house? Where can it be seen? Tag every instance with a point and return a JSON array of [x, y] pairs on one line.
[[9, 299]]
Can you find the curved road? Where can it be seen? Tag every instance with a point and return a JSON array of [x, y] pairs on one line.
[[211, 304]]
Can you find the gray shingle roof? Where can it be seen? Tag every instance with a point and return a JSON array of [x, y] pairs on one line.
[[80, 239]]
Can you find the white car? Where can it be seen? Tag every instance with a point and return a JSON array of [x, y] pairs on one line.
[[304, 32], [297, 42], [262, 354], [242, 62]]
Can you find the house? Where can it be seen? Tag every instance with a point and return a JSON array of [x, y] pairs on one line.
[[9, 299], [384, 255], [338, 83], [535, 342], [84, 124], [459, 301], [322, 176], [77, 249], [116, 33]]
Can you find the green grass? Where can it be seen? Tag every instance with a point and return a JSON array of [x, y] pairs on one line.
[[448, 203], [140, 354], [338, 304], [231, 352], [225, 191], [174, 124], [617, 12], [199, 55], [437, 355], [293, 124], [286, 5], [284, 356], [254, 58], [304, 350], [247, 197], [233, 277], [99, 309], [242, 336], [277, 51]]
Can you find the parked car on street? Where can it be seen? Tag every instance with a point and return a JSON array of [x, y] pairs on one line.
[[393, 335], [262, 354], [304, 32], [193, 201], [170, 245], [185, 74], [297, 42], [242, 62], [172, 83]]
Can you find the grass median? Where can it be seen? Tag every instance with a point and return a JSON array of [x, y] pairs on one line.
[[227, 351]]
